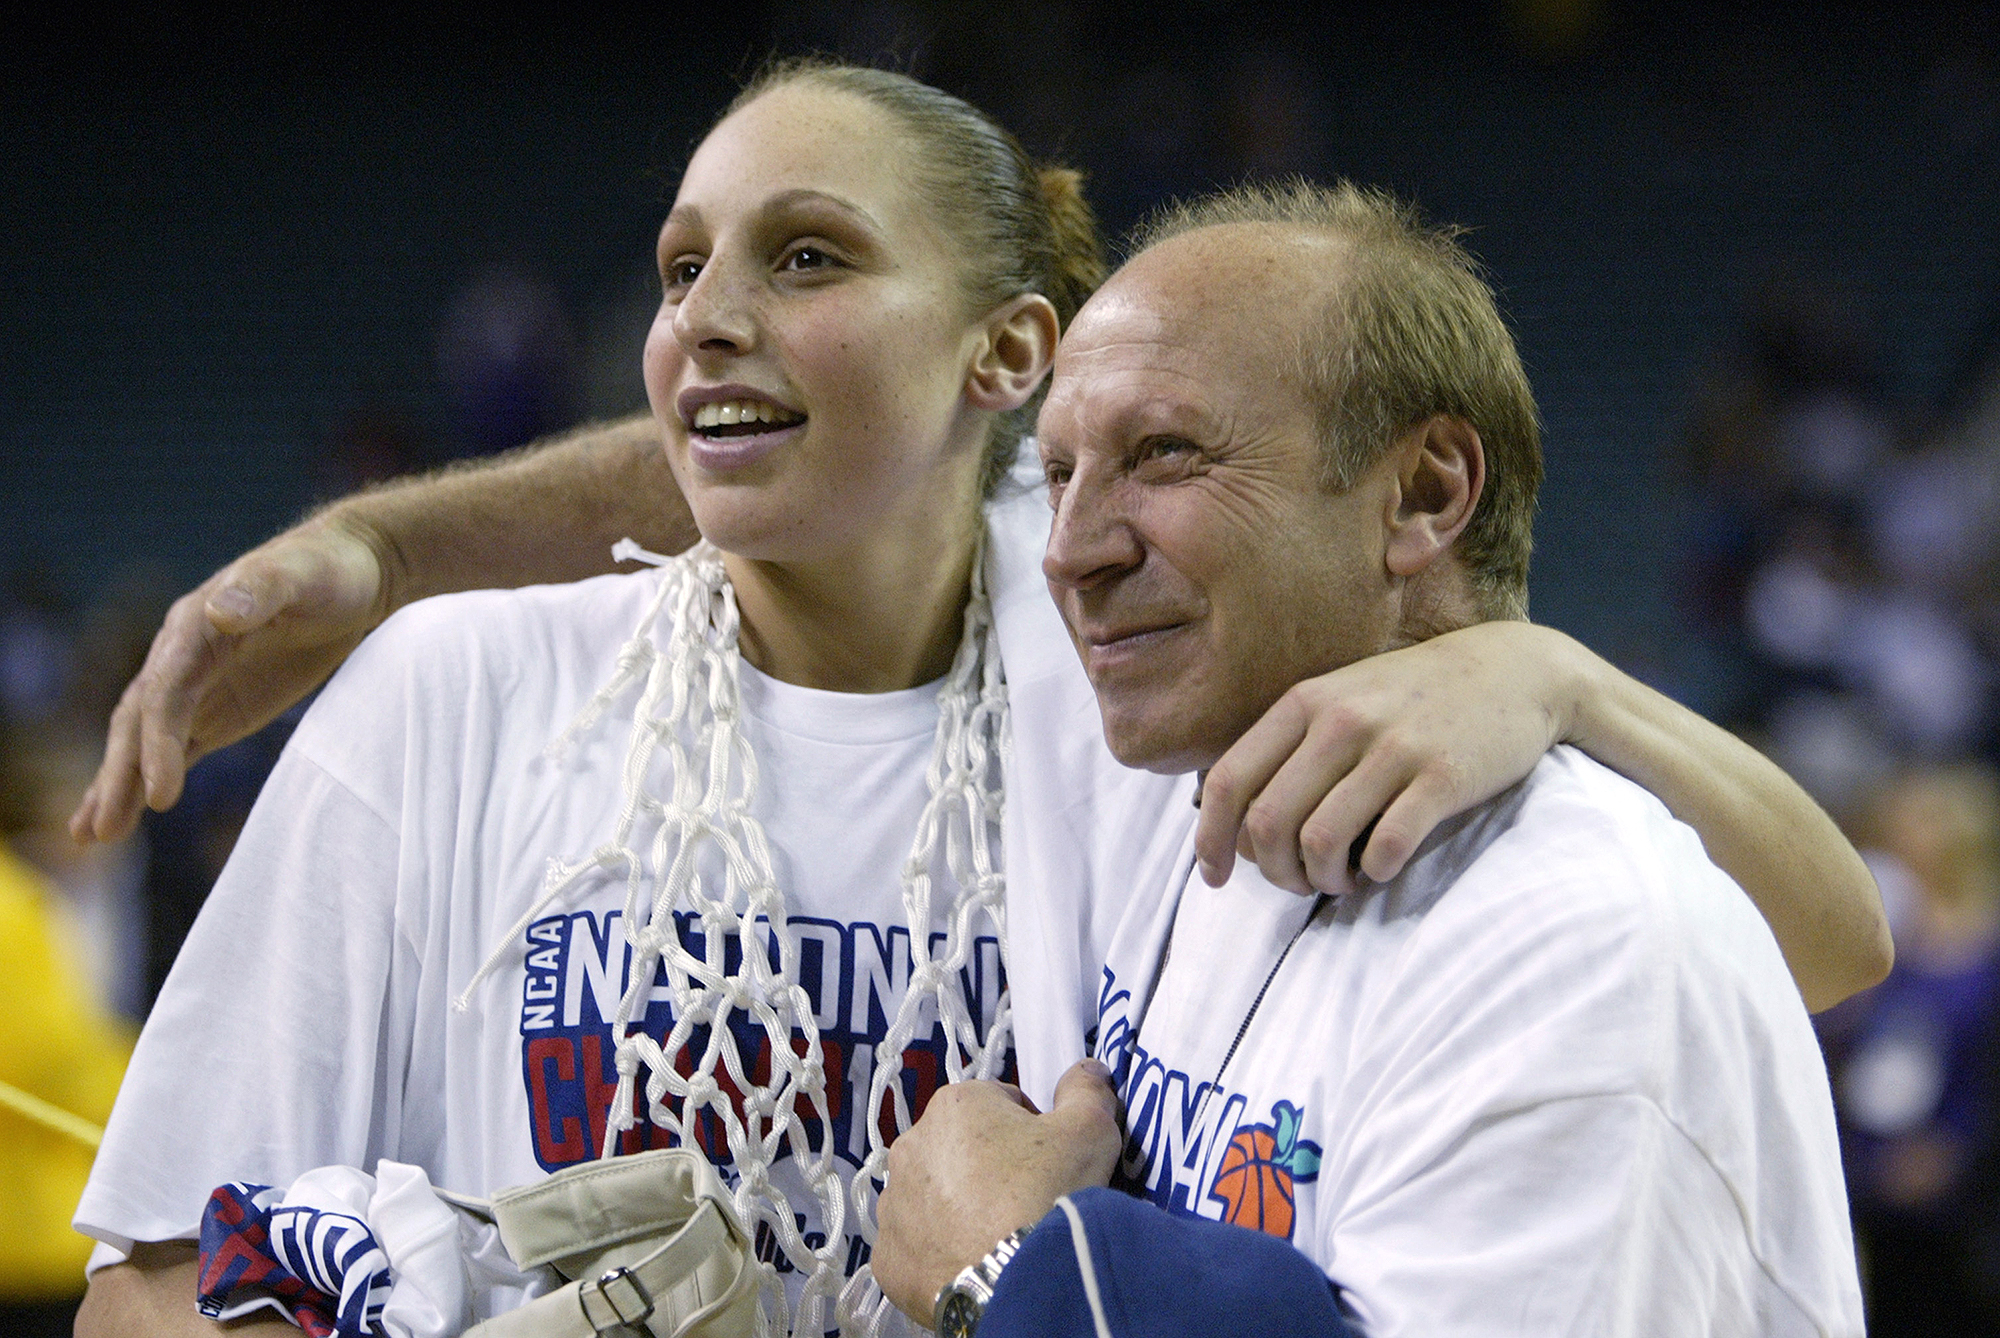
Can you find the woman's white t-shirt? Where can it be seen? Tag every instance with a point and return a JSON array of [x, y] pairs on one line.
[[309, 1020]]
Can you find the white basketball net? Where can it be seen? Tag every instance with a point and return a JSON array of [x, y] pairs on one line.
[[690, 708]]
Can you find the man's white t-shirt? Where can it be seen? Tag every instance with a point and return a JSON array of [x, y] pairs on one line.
[[1552, 1079], [308, 1020]]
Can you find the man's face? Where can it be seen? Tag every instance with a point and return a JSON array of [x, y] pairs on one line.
[[1199, 561]]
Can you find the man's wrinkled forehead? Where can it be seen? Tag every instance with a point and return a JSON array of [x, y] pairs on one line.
[[1220, 303]]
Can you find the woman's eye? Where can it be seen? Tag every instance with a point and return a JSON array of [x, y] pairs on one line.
[[806, 257], [681, 273]]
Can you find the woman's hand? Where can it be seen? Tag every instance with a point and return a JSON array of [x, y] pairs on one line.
[[1401, 740], [1407, 739], [232, 655]]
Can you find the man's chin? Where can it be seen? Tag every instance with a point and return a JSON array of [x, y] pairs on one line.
[[1158, 742]]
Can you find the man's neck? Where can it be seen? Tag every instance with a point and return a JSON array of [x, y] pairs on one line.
[[1442, 599]]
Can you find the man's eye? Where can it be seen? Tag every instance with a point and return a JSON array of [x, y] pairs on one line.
[[681, 273], [1055, 475], [1167, 448]]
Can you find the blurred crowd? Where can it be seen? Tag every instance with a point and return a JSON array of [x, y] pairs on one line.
[[72, 981], [1841, 593]]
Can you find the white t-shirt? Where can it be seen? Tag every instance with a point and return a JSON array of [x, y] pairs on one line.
[[1553, 1079], [308, 1020]]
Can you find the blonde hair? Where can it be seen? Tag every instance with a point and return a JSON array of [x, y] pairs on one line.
[[1024, 226], [1411, 331]]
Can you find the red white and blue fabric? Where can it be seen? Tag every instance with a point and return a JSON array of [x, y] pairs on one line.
[[326, 1269]]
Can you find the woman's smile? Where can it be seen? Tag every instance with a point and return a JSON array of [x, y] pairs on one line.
[[731, 427]]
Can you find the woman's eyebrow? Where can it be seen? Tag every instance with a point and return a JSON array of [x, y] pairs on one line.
[[682, 216], [803, 198], [800, 199]]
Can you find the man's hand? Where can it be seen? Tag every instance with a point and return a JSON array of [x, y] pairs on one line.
[[979, 1164], [232, 655], [1402, 740]]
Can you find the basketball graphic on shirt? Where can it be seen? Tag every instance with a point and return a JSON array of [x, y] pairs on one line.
[[1260, 1168]]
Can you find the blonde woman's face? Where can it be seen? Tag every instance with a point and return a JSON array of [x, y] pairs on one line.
[[808, 364]]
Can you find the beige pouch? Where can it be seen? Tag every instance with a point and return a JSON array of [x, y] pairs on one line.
[[649, 1243]]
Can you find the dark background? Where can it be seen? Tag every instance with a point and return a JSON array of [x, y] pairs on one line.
[[231, 243]]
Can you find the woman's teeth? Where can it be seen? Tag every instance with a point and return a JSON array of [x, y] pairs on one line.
[[743, 416]]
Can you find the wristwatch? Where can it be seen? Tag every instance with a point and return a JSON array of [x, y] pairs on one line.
[[962, 1301]]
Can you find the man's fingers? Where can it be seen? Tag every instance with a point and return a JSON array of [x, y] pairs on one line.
[[145, 752], [83, 822], [178, 671], [1235, 782], [1085, 1101], [110, 807], [163, 763], [254, 589]]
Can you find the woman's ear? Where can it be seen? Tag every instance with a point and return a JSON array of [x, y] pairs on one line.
[[1440, 472], [1013, 355]]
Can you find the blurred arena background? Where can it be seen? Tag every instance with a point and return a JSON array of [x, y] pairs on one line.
[[1752, 254]]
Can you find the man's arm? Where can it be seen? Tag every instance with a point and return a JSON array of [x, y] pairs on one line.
[[271, 626], [152, 1293], [982, 1163], [1406, 739]]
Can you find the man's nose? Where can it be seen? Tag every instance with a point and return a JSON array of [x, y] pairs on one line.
[[1091, 540], [717, 314]]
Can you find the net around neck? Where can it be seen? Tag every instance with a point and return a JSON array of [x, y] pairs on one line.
[[689, 708]]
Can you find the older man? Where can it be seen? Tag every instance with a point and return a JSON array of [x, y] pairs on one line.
[[1549, 1079]]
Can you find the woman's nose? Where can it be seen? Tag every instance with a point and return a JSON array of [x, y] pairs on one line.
[[716, 314]]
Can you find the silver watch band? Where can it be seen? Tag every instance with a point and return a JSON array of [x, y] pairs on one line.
[[961, 1301]]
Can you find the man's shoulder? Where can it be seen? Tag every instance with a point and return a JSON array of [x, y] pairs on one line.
[[1578, 945], [1575, 907], [1574, 830]]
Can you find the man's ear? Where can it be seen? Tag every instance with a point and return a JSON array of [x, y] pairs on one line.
[[1440, 472], [1013, 355]]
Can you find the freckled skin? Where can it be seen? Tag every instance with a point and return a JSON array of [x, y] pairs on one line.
[[828, 310], [1185, 476], [800, 266]]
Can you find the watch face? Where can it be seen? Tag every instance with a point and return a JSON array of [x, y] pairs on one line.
[[958, 1316]]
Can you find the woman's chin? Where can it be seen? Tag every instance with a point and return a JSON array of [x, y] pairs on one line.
[[742, 527]]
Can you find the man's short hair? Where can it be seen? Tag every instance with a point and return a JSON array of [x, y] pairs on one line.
[[1412, 331]]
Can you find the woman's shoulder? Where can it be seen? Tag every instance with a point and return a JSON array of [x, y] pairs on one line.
[[528, 653], [546, 626]]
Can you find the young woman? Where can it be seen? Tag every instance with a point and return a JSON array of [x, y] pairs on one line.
[[517, 897]]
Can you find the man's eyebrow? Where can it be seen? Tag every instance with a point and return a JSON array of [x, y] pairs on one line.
[[1155, 418]]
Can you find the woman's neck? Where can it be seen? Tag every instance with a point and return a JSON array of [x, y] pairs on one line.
[[885, 617]]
